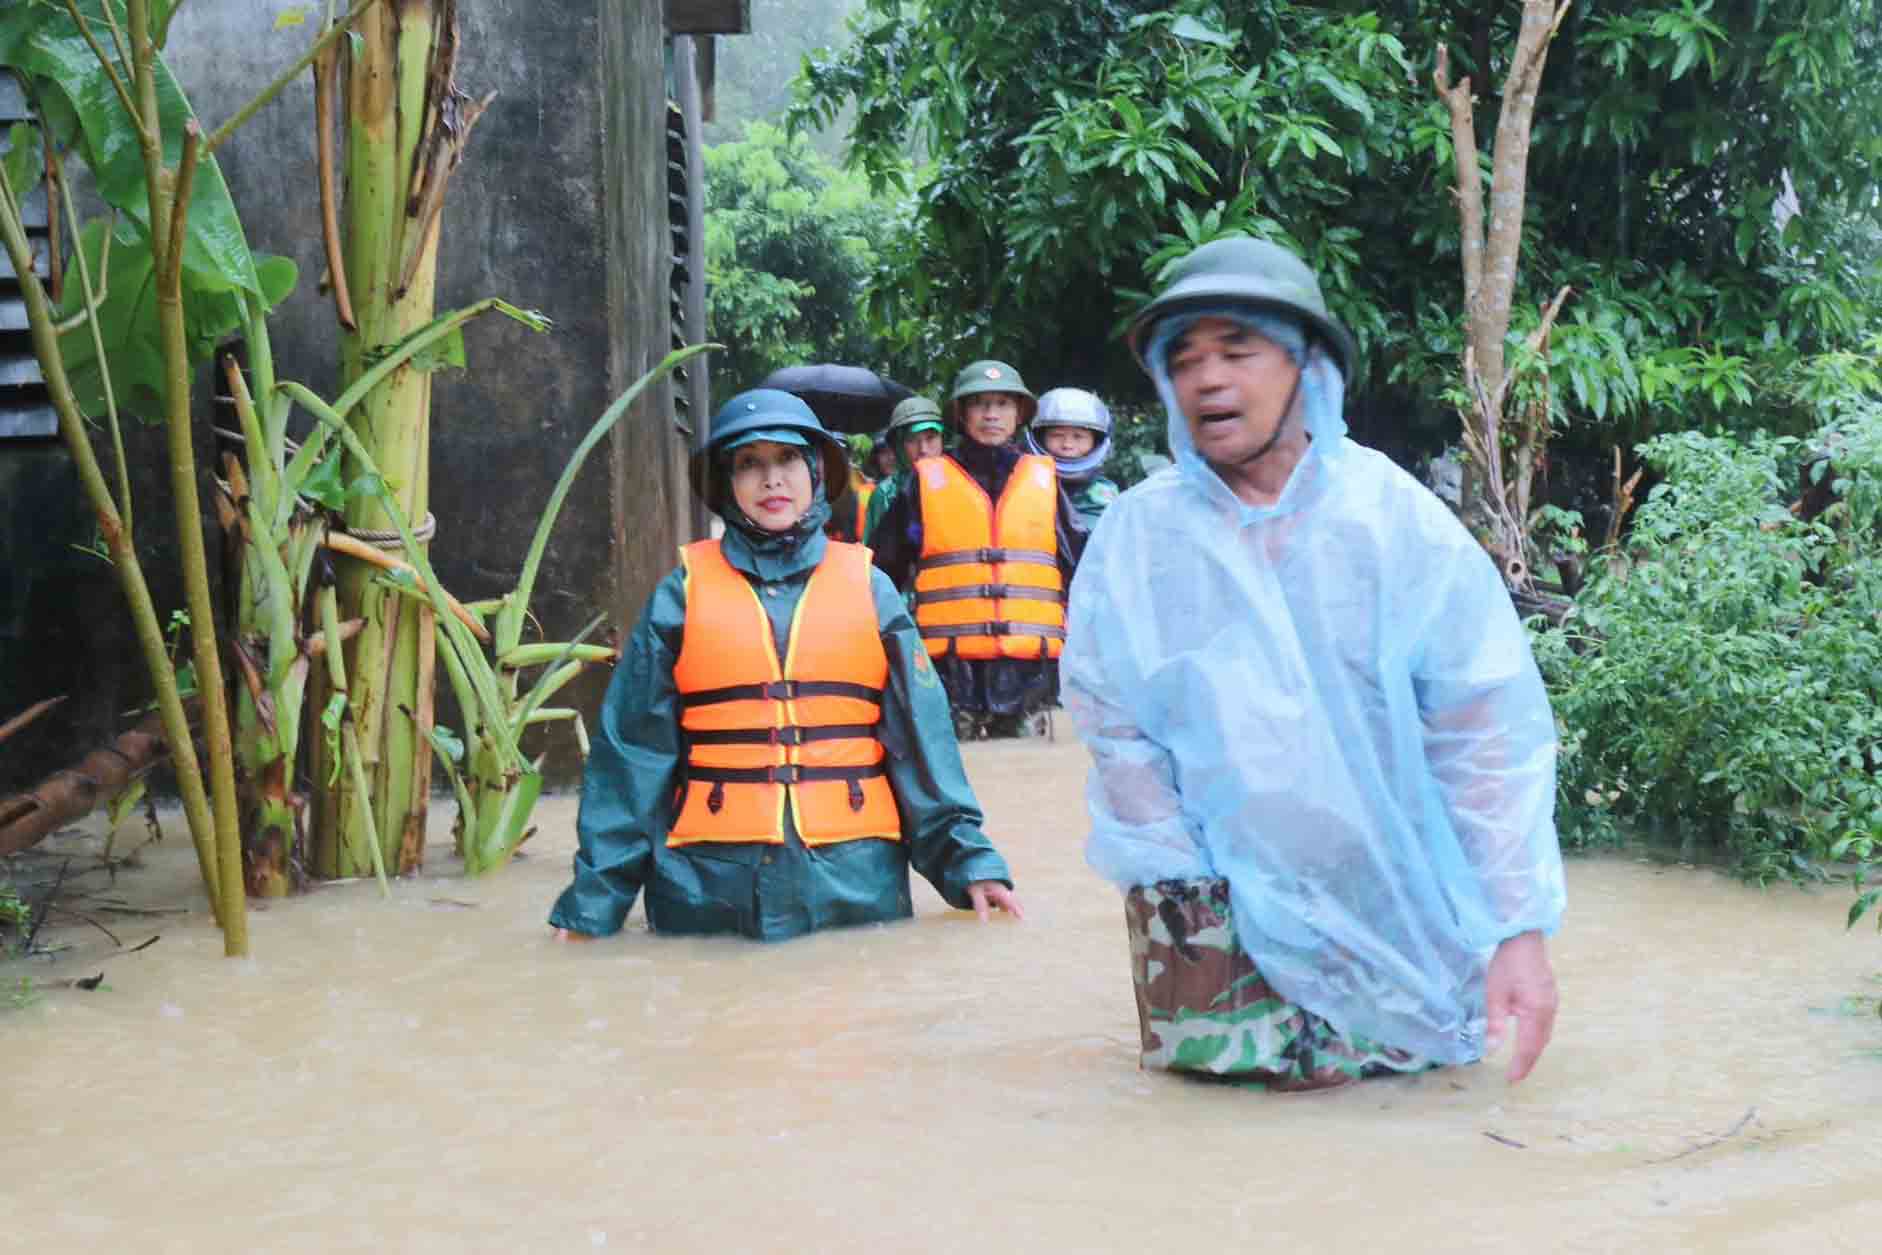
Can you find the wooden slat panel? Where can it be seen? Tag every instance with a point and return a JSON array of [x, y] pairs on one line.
[[32, 419], [20, 372], [39, 261]]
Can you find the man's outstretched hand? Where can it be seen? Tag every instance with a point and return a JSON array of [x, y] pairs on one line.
[[1522, 984]]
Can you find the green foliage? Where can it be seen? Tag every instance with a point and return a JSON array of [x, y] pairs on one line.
[[1720, 682], [1720, 268], [72, 92], [1139, 446], [790, 240], [128, 319]]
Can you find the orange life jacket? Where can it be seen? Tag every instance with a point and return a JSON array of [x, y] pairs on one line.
[[988, 583], [759, 736], [840, 528]]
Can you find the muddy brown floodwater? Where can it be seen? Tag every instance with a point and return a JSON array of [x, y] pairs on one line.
[[433, 1073]]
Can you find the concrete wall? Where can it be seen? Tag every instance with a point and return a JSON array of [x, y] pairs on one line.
[[560, 206]]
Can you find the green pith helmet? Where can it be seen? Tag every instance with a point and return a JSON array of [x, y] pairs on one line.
[[1238, 270], [988, 375], [911, 413], [768, 414]]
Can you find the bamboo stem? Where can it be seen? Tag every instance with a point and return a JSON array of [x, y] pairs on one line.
[[143, 611], [218, 743], [92, 302]]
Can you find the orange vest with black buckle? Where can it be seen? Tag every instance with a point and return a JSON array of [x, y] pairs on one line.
[[761, 736], [988, 583]]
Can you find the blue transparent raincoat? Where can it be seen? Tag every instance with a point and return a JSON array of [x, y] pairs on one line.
[[1330, 702]]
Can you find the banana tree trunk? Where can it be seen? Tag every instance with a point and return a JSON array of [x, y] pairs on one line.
[[402, 133]]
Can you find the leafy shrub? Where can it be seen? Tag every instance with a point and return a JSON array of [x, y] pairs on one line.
[[1720, 681]]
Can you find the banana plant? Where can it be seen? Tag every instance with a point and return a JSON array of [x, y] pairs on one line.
[[495, 784], [274, 503]]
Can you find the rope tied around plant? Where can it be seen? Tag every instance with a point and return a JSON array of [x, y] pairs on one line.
[[390, 540]]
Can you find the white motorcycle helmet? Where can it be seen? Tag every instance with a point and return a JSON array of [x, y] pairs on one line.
[[1072, 407]]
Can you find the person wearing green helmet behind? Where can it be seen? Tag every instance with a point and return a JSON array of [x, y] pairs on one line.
[[986, 541], [915, 432], [1323, 762], [763, 797]]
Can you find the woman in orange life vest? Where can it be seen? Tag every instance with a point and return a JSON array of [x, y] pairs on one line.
[[987, 539], [775, 750]]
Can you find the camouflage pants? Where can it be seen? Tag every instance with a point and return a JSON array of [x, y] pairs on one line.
[[1205, 1008]]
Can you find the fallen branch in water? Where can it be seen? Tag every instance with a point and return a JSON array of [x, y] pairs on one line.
[[70, 793], [1750, 1116]]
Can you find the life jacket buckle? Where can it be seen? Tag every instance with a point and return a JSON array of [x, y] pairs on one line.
[[856, 794], [792, 735], [787, 773], [779, 690], [715, 800]]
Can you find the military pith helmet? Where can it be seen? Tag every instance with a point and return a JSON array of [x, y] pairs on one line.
[[910, 413], [768, 414], [1237, 270], [989, 375]]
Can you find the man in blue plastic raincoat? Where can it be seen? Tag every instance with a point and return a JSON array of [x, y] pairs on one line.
[[1323, 760]]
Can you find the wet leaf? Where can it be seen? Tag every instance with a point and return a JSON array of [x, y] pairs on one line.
[[127, 318], [123, 802], [288, 18], [1860, 907], [325, 485], [330, 731], [1189, 28], [41, 42], [25, 159]]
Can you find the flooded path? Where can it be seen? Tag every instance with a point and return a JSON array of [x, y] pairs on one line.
[[433, 1073]]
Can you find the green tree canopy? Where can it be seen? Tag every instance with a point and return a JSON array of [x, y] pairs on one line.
[[1703, 177], [790, 241]]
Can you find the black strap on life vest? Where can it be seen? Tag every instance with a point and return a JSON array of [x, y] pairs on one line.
[[781, 691], [996, 628], [978, 592], [789, 735], [967, 557], [782, 773]]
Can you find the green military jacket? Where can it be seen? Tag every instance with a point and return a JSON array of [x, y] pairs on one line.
[[769, 892], [1090, 497]]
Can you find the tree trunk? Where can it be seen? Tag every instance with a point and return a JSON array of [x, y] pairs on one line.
[[1495, 496], [405, 131], [69, 794]]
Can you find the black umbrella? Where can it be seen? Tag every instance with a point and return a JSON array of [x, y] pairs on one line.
[[844, 398]]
